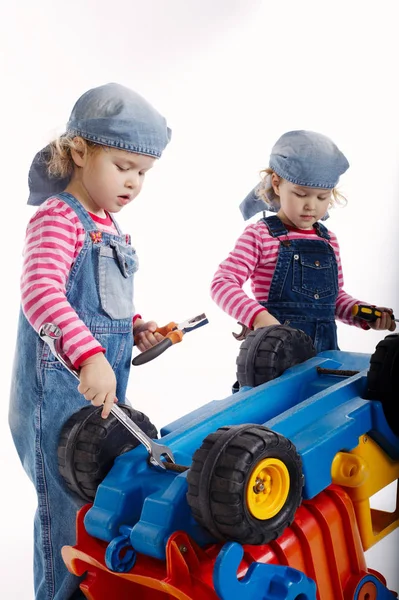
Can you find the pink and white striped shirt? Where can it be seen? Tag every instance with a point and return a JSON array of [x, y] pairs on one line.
[[54, 238], [254, 258]]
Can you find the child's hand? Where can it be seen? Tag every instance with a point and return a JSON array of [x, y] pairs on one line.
[[264, 319], [98, 382], [384, 322], [145, 334]]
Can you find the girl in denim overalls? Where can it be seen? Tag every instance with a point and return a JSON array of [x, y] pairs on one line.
[[78, 273], [291, 258]]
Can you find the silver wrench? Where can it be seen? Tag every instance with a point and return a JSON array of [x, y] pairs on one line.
[[51, 334]]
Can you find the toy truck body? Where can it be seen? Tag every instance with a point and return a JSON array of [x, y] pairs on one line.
[[321, 414]]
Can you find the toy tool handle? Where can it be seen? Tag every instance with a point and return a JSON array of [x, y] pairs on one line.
[[167, 328], [173, 337], [365, 312], [152, 353], [369, 313]]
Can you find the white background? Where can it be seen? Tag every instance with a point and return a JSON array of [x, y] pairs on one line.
[[231, 76]]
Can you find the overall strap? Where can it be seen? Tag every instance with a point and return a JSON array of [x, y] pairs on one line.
[[115, 224], [84, 217], [275, 226], [321, 231]]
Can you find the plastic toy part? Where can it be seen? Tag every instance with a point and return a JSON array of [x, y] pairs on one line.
[[363, 472], [269, 351], [368, 588], [245, 484], [267, 488], [322, 547], [120, 556], [316, 414], [88, 446], [261, 582], [383, 378]]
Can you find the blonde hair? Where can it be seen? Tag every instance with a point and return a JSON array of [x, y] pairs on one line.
[[61, 164], [266, 192]]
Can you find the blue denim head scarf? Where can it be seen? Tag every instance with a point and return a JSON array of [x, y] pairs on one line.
[[301, 157], [109, 115]]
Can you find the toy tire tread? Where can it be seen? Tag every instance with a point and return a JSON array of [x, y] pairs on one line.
[[218, 477], [383, 378], [88, 446], [267, 352]]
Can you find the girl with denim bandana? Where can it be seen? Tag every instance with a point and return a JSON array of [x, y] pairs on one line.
[[78, 273], [292, 259]]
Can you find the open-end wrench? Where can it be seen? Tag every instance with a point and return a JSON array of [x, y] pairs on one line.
[[51, 334]]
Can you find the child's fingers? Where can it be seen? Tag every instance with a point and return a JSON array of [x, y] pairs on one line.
[[144, 343], [384, 322], [377, 325], [108, 404], [152, 326], [98, 399], [89, 395], [83, 389], [147, 340]]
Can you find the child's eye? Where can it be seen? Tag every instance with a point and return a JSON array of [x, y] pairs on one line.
[[122, 168], [299, 195]]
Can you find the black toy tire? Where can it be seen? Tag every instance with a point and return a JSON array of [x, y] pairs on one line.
[[88, 446], [267, 352], [218, 478], [383, 378]]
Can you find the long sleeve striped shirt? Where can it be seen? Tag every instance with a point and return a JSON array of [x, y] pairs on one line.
[[54, 238], [254, 258]]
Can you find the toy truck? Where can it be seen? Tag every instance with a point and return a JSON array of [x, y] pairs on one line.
[[269, 494]]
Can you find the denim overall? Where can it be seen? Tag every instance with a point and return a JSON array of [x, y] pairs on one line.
[[44, 394], [304, 287]]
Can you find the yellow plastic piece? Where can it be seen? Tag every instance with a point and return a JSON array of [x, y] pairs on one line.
[[267, 488], [363, 472]]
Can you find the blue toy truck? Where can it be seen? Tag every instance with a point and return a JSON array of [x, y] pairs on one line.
[[244, 464]]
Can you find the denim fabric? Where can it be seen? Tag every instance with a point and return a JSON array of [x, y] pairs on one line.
[[304, 287], [308, 158], [302, 157], [254, 204], [44, 394], [109, 115]]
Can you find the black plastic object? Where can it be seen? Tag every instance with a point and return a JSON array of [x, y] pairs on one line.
[[152, 353], [267, 352], [383, 378], [89, 444], [218, 477]]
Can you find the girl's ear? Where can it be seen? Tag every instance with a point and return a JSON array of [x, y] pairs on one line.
[[79, 151], [275, 181]]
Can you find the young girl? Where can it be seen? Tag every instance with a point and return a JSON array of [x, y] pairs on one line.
[[292, 260], [78, 273]]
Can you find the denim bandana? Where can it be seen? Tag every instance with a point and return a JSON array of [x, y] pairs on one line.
[[109, 115], [301, 157]]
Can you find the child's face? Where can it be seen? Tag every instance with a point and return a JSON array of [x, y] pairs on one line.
[[112, 178], [301, 206]]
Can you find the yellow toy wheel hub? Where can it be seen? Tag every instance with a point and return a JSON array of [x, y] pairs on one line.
[[267, 488]]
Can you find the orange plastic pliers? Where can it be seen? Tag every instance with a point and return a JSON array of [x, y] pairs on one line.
[[173, 334]]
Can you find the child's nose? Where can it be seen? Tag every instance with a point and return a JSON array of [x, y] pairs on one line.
[[133, 181], [310, 203]]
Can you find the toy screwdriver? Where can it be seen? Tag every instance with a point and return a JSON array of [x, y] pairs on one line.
[[368, 313], [173, 334]]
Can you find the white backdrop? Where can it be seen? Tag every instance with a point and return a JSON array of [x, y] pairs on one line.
[[231, 76]]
